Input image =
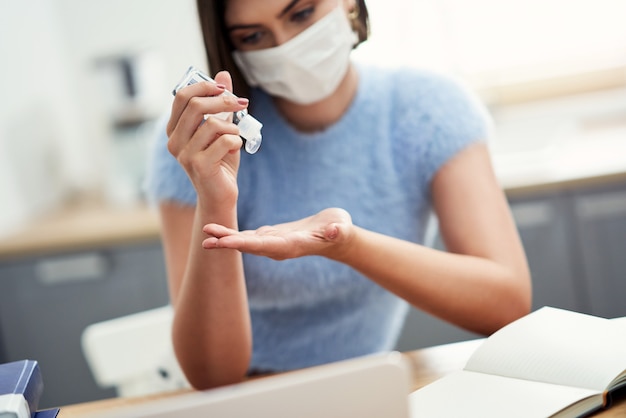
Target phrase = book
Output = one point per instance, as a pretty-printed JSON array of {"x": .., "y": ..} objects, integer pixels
[
  {"x": 21, "y": 387},
  {"x": 549, "y": 363},
  {"x": 47, "y": 413}
]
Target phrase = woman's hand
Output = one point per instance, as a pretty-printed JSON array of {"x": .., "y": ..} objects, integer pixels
[
  {"x": 325, "y": 233},
  {"x": 207, "y": 150}
]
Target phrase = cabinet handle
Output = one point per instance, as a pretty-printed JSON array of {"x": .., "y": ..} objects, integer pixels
[
  {"x": 598, "y": 206},
  {"x": 75, "y": 268}
]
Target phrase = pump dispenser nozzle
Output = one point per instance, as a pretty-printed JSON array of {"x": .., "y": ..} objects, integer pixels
[{"x": 249, "y": 127}]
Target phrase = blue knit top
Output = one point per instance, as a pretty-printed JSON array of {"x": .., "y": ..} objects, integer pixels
[{"x": 377, "y": 162}]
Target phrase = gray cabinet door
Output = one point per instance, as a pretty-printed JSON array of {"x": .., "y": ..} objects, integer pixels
[
  {"x": 601, "y": 227},
  {"x": 46, "y": 303},
  {"x": 544, "y": 224}
]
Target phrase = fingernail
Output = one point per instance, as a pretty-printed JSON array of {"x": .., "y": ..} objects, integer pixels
[{"x": 242, "y": 100}]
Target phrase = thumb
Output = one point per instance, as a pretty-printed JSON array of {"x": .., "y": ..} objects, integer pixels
[{"x": 223, "y": 77}]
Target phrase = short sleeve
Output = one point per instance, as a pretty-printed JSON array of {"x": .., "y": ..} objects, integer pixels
[
  {"x": 441, "y": 117},
  {"x": 165, "y": 178}
]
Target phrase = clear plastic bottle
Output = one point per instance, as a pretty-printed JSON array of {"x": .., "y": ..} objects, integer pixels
[{"x": 249, "y": 127}]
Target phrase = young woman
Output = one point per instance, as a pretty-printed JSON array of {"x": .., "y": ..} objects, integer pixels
[{"x": 308, "y": 251}]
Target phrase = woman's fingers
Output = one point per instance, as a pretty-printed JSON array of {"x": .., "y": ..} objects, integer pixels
[
  {"x": 218, "y": 230},
  {"x": 184, "y": 95},
  {"x": 210, "y": 131},
  {"x": 191, "y": 120},
  {"x": 209, "y": 144}
]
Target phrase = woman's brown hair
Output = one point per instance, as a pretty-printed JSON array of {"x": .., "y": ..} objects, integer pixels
[{"x": 219, "y": 49}]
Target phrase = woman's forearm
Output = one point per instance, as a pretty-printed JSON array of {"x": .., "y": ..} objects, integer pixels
[
  {"x": 211, "y": 331},
  {"x": 476, "y": 293}
]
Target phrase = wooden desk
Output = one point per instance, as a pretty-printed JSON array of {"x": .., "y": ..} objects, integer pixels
[{"x": 428, "y": 364}]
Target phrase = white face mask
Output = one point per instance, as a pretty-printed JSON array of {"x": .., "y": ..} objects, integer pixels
[{"x": 307, "y": 68}]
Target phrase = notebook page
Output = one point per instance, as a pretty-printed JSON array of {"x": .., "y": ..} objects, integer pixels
[
  {"x": 464, "y": 393},
  {"x": 621, "y": 320},
  {"x": 556, "y": 346}
]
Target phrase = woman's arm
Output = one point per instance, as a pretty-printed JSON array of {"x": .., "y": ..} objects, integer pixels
[
  {"x": 211, "y": 329},
  {"x": 481, "y": 284}
]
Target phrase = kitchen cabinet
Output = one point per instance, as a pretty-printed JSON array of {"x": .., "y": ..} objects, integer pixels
[
  {"x": 47, "y": 301},
  {"x": 575, "y": 240},
  {"x": 601, "y": 245},
  {"x": 545, "y": 225}
]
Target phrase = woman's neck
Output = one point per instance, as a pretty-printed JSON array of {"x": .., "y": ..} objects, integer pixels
[{"x": 320, "y": 115}]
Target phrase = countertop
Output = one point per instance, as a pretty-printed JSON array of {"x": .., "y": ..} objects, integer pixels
[
  {"x": 568, "y": 141},
  {"x": 587, "y": 158},
  {"x": 82, "y": 227}
]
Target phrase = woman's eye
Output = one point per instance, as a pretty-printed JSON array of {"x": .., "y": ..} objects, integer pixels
[
  {"x": 252, "y": 38},
  {"x": 302, "y": 15}
]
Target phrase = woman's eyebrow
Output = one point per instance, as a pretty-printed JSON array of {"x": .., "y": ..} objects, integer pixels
[
  {"x": 235, "y": 27},
  {"x": 289, "y": 7}
]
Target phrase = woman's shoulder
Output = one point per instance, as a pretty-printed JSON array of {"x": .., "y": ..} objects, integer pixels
[
  {"x": 434, "y": 114},
  {"x": 438, "y": 96}
]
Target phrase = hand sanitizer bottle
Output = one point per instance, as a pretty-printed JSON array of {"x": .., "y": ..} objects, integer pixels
[{"x": 249, "y": 127}]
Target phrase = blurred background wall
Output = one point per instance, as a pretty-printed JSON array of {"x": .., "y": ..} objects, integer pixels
[{"x": 66, "y": 108}]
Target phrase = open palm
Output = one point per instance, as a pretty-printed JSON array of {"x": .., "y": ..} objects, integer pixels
[{"x": 319, "y": 234}]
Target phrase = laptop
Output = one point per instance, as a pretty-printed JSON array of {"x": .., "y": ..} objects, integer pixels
[{"x": 371, "y": 386}]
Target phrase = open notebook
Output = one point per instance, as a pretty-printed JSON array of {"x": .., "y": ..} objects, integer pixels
[
  {"x": 550, "y": 363},
  {"x": 366, "y": 387}
]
